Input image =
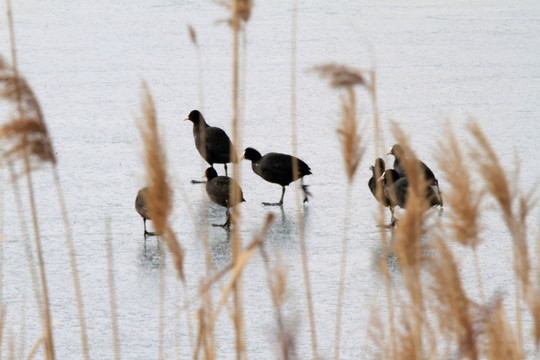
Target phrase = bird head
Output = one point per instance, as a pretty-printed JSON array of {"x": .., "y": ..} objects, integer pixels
[
  {"x": 251, "y": 154},
  {"x": 210, "y": 173}
]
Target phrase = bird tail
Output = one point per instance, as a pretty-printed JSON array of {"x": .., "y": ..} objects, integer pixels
[
  {"x": 307, "y": 193},
  {"x": 439, "y": 193}
]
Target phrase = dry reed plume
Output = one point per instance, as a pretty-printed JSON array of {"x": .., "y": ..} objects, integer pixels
[
  {"x": 344, "y": 77},
  {"x": 159, "y": 192},
  {"x": 407, "y": 246},
  {"x": 438, "y": 318},
  {"x": 26, "y": 133},
  {"x": 453, "y": 309},
  {"x": 26, "y": 138},
  {"x": 277, "y": 283},
  {"x": 515, "y": 207},
  {"x": 462, "y": 198}
]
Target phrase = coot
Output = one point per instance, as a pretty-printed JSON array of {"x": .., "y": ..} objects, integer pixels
[
  {"x": 277, "y": 168},
  {"x": 398, "y": 152},
  {"x": 212, "y": 143},
  {"x": 219, "y": 189},
  {"x": 142, "y": 209}
]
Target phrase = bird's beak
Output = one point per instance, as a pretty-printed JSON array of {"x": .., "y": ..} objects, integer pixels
[
  {"x": 381, "y": 178},
  {"x": 186, "y": 118},
  {"x": 389, "y": 152},
  {"x": 243, "y": 156}
]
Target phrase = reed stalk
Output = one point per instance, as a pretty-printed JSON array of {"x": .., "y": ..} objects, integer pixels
[
  {"x": 25, "y": 148},
  {"x": 346, "y": 78},
  {"x": 240, "y": 12},
  {"x": 159, "y": 199},
  {"x": 2, "y": 312},
  {"x": 161, "y": 305},
  {"x": 463, "y": 200},
  {"x": 112, "y": 294},
  {"x": 407, "y": 243},
  {"x": 352, "y": 152},
  {"x": 203, "y": 229},
  {"x": 298, "y": 200},
  {"x": 73, "y": 263},
  {"x": 193, "y": 38},
  {"x": 25, "y": 236},
  {"x": 514, "y": 208},
  {"x": 29, "y": 134},
  {"x": 378, "y": 151},
  {"x": 276, "y": 279}
]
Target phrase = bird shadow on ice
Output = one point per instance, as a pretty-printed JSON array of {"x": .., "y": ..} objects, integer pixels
[
  {"x": 219, "y": 244},
  {"x": 283, "y": 231},
  {"x": 150, "y": 252},
  {"x": 392, "y": 261}
]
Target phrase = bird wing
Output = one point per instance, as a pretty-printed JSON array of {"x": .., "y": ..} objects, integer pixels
[
  {"x": 219, "y": 145},
  {"x": 225, "y": 184}
]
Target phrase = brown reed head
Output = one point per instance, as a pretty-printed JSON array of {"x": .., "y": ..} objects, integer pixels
[
  {"x": 452, "y": 307},
  {"x": 462, "y": 198},
  {"x": 159, "y": 195},
  {"x": 350, "y": 139},
  {"x": 240, "y": 10},
  {"x": 342, "y": 76},
  {"x": 26, "y": 133},
  {"x": 490, "y": 169}
]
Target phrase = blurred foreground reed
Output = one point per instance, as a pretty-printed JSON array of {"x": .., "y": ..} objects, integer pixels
[{"x": 429, "y": 313}]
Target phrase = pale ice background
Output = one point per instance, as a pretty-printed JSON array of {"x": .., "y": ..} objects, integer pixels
[{"x": 85, "y": 61}]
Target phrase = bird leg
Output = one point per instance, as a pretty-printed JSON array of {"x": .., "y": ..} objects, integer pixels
[
  {"x": 226, "y": 169},
  {"x": 393, "y": 220},
  {"x": 227, "y": 222},
  {"x": 306, "y": 192},
  {"x": 280, "y": 203},
  {"x": 147, "y": 233}
]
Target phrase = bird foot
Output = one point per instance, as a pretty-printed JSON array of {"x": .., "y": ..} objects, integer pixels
[
  {"x": 198, "y": 182},
  {"x": 149, "y": 233},
  {"x": 226, "y": 225},
  {"x": 387, "y": 226},
  {"x": 272, "y": 204}
]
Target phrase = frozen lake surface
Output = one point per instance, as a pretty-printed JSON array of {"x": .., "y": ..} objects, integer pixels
[{"x": 85, "y": 62}]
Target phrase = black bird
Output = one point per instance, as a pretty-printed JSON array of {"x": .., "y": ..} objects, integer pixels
[
  {"x": 212, "y": 143},
  {"x": 396, "y": 190},
  {"x": 219, "y": 189},
  {"x": 398, "y": 152},
  {"x": 140, "y": 206},
  {"x": 277, "y": 168}
]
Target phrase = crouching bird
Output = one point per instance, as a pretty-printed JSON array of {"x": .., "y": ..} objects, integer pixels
[
  {"x": 219, "y": 190},
  {"x": 142, "y": 209},
  {"x": 278, "y": 169}
]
